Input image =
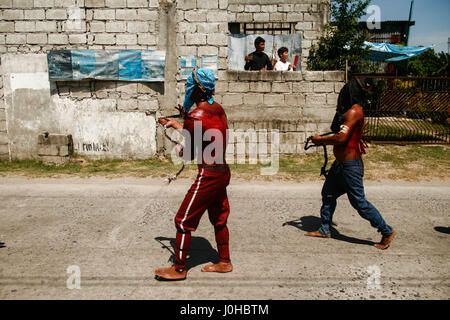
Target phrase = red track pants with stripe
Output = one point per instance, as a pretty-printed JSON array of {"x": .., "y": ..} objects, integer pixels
[{"x": 208, "y": 192}]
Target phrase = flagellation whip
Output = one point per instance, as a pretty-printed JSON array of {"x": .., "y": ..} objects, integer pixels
[{"x": 181, "y": 114}]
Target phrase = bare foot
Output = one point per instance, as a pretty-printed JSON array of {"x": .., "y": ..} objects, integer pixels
[
  {"x": 170, "y": 273},
  {"x": 316, "y": 234},
  {"x": 385, "y": 241},
  {"x": 221, "y": 267}
]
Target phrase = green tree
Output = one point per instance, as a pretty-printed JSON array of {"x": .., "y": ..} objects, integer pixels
[
  {"x": 343, "y": 38},
  {"x": 426, "y": 64}
]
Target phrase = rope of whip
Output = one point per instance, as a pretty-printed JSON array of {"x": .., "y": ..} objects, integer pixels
[
  {"x": 174, "y": 177},
  {"x": 323, "y": 171}
]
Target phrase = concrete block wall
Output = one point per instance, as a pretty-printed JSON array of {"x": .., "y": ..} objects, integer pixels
[
  {"x": 101, "y": 127},
  {"x": 43, "y": 25},
  {"x": 54, "y": 148},
  {"x": 202, "y": 28},
  {"x": 297, "y": 103},
  {"x": 4, "y": 141},
  {"x": 38, "y": 26},
  {"x": 308, "y": 16},
  {"x": 127, "y": 96}
]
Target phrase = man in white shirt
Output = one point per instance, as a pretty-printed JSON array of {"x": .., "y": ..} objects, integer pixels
[{"x": 283, "y": 64}]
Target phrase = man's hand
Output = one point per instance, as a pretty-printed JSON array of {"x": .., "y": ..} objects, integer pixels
[
  {"x": 362, "y": 142},
  {"x": 362, "y": 146},
  {"x": 181, "y": 110},
  {"x": 316, "y": 139},
  {"x": 179, "y": 150},
  {"x": 248, "y": 59},
  {"x": 170, "y": 123}
]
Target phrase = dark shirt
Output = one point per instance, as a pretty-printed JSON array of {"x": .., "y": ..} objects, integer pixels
[{"x": 259, "y": 61}]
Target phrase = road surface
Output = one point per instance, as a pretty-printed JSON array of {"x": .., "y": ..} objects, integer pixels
[{"x": 98, "y": 238}]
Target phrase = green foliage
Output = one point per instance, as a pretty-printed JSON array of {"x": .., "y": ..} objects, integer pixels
[
  {"x": 343, "y": 38},
  {"x": 426, "y": 64},
  {"x": 410, "y": 162}
]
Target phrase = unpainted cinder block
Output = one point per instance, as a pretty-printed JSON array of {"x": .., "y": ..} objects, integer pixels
[
  {"x": 63, "y": 151},
  {"x": 55, "y": 159},
  {"x": 43, "y": 138},
  {"x": 48, "y": 150},
  {"x": 59, "y": 139}
]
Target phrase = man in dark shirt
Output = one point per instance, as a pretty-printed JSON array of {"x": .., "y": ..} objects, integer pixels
[{"x": 258, "y": 60}]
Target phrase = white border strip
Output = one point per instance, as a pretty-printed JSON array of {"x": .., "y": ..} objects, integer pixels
[{"x": 187, "y": 210}]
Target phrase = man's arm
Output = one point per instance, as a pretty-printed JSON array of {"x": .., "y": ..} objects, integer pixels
[
  {"x": 352, "y": 117},
  {"x": 274, "y": 63},
  {"x": 248, "y": 60},
  {"x": 170, "y": 123},
  {"x": 268, "y": 63}
]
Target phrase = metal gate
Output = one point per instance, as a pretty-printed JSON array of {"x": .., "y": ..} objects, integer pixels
[{"x": 408, "y": 110}]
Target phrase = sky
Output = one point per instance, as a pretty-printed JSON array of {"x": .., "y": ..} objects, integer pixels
[{"x": 432, "y": 18}]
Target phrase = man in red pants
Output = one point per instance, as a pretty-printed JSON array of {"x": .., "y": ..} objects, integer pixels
[{"x": 208, "y": 192}]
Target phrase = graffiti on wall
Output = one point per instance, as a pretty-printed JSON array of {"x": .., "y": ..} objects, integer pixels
[{"x": 94, "y": 147}]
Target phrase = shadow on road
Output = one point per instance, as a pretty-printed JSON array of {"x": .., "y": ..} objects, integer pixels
[
  {"x": 200, "y": 251},
  {"x": 2, "y": 245},
  {"x": 311, "y": 223},
  {"x": 443, "y": 229}
]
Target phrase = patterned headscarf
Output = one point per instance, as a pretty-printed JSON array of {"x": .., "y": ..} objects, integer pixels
[{"x": 203, "y": 78}]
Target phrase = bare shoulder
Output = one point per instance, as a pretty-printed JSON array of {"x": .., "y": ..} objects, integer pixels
[{"x": 355, "y": 112}]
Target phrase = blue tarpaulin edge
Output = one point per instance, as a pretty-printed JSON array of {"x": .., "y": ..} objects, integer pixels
[{"x": 391, "y": 52}]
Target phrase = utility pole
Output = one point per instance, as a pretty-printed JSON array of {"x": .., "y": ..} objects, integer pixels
[{"x": 409, "y": 20}]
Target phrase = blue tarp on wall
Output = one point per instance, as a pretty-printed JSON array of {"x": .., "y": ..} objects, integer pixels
[
  {"x": 127, "y": 65},
  {"x": 188, "y": 63},
  {"x": 130, "y": 65},
  {"x": 83, "y": 64},
  {"x": 60, "y": 65}
]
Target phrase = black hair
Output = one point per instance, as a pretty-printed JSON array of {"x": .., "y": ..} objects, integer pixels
[
  {"x": 355, "y": 91},
  {"x": 282, "y": 50},
  {"x": 259, "y": 40}
]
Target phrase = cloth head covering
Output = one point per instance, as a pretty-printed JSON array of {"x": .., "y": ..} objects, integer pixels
[
  {"x": 353, "y": 92},
  {"x": 206, "y": 79}
]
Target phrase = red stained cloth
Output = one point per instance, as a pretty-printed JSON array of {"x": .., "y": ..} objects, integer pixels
[
  {"x": 208, "y": 192},
  {"x": 210, "y": 117}
]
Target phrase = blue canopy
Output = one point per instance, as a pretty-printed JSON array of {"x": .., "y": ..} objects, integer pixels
[{"x": 391, "y": 52}]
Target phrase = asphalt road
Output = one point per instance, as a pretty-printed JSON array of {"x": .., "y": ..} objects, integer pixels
[{"x": 114, "y": 232}]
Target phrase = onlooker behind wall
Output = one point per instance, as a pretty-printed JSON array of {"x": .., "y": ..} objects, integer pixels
[
  {"x": 283, "y": 64},
  {"x": 258, "y": 60}
]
